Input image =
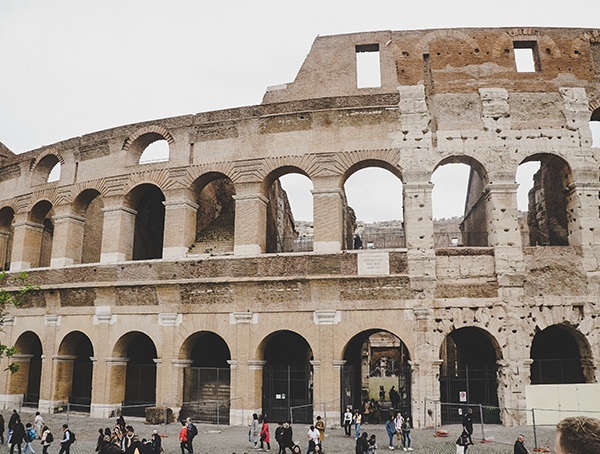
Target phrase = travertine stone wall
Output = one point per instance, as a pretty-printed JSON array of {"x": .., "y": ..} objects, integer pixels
[{"x": 446, "y": 96}]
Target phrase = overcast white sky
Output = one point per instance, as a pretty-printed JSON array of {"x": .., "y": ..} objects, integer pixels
[{"x": 71, "y": 67}]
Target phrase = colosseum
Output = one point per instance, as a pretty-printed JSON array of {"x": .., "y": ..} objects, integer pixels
[{"x": 181, "y": 282}]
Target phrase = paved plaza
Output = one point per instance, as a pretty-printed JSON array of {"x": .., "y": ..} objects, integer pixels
[{"x": 226, "y": 440}]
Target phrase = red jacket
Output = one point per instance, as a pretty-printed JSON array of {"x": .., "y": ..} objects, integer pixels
[{"x": 264, "y": 433}]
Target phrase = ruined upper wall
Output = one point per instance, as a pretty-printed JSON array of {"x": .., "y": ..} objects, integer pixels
[{"x": 449, "y": 61}]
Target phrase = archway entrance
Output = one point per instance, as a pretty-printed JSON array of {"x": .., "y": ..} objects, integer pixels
[
  {"x": 206, "y": 384},
  {"x": 140, "y": 381},
  {"x": 27, "y": 379},
  {"x": 376, "y": 376},
  {"x": 468, "y": 374},
  {"x": 287, "y": 378},
  {"x": 557, "y": 358},
  {"x": 76, "y": 372}
]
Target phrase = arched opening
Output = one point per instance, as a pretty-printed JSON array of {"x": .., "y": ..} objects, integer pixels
[
  {"x": 468, "y": 374},
  {"x": 206, "y": 384},
  {"x": 47, "y": 170},
  {"x": 282, "y": 234},
  {"x": 215, "y": 218},
  {"x": 545, "y": 222},
  {"x": 558, "y": 358},
  {"x": 140, "y": 373},
  {"x": 298, "y": 188},
  {"x": 147, "y": 200},
  {"x": 458, "y": 199},
  {"x": 374, "y": 216},
  {"x": 376, "y": 377},
  {"x": 595, "y": 127},
  {"x": 157, "y": 151},
  {"x": 41, "y": 240},
  {"x": 287, "y": 391},
  {"x": 7, "y": 216},
  {"x": 75, "y": 371},
  {"x": 27, "y": 379},
  {"x": 89, "y": 206}
]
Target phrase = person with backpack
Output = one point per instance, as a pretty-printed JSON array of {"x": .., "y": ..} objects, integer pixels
[
  {"x": 183, "y": 434},
  {"x": 67, "y": 440},
  {"x": 192, "y": 432},
  {"x": 30, "y": 435},
  {"x": 47, "y": 439}
]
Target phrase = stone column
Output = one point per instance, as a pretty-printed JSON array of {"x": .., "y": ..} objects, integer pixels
[
  {"x": 63, "y": 373},
  {"x": 67, "y": 243},
  {"x": 250, "y": 237},
  {"x": 583, "y": 221},
  {"x": 161, "y": 394},
  {"x": 48, "y": 373},
  {"x": 254, "y": 382},
  {"x": 328, "y": 214},
  {"x": 235, "y": 402},
  {"x": 27, "y": 243},
  {"x": 243, "y": 376},
  {"x": 4, "y": 247},
  {"x": 19, "y": 380},
  {"x": 513, "y": 376},
  {"x": 117, "y": 232},
  {"x": 178, "y": 381},
  {"x": 504, "y": 234},
  {"x": 101, "y": 407},
  {"x": 180, "y": 224},
  {"x": 115, "y": 384}
]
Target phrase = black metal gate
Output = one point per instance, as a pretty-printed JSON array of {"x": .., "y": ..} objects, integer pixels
[
  {"x": 140, "y": 389},
  {"x": 206, "y": 394},
  {"x": 286, "y": 386},
  {"x": 469, "y": 386},
  {"x": 81, "y": 388}
]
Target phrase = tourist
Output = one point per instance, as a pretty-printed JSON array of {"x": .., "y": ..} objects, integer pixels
[
  {"x": 362, "y": 444},
  {"x": 467, "y": 423},
  {"x": 372, "y": 444},
  {"x": 296, "y": 450},
  {"x": 38, "y": 424},
  {"x": 398, "y": 420},
  {"x": 30, "y": 435},
  {"x": 279, "y": 437},
  {"x": 320, "y": 426},
  {"x": 156, "y": 442},
  {"x": 66, "y": 440},
  {"x": 17, "y": 435},
  {"x": 253, "y": 434},
  {"x": 577, "y": 435},
  {"x": 519, "y": 447},
  {"x": 462, "y": 443},
  {"x": 406, "y": 435},
  {"x": 357, "y": 424},
  {"x": 287, "y": 436},
  {"x": 390, "y": 429},
  {"x": 11, "y": 424},
  {"x": 192, "y": 432},
  {"x": 183, "y": 434},
  {"x": 47, "y": 439},
  {"x": 264, "y": 435},
  {"x": 1, "y": 429},
  {"x": 313, "y": 439},
  {"x": 347, "y": 421}
]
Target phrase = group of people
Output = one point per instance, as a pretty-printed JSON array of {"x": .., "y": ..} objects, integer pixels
[
  {"x": 123, "y": 439},
  {"x": 22, "y": 436},
  {"x": 399, "y": 426}
]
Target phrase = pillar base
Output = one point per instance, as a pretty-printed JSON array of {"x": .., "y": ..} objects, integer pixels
[
  {"x": 10, "y": 401},
  {"x": 174, "y": 252},
  {"x": 103, "y": 410},
  {"x": 247, "y": 249},
  {"x": 112, "y": 257}
]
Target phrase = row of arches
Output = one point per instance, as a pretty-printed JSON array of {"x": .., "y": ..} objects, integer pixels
[
  {"x": 212, "y": 196},
  {"x": 372, "y": 360}
]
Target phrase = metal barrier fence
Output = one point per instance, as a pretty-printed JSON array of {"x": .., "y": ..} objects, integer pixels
[
  {"x": 484, "y": 415},
  {"x": 320, "y": 409}
]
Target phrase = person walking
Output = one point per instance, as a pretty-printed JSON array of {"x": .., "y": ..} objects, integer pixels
[
  {"x": 390, "y": 429},
  {"x": 192, "y": 432},
  {"x": 1, "y": 429},
  {"x": 406, "y": 435},
  {"x": 313, "y": 439},
  {"x": 254, "y": 433},
  {"x": 11, "y": 423},
  {"x": 264, "y": 435},
  {"x": 519, "y": 447},
  {"x": 398, "y": 420},
  {"x": 38, "y": 424},
  {"x": 66, "y": 441},
  {"x": 30, "y": 435},
  {"x": 467, "y": 423},
  {"x": 17, "y": 435},
  {"x": 357, "y": 422},
  {"x": 320, "y": 426},
  {"x": 183, "y": 433},
  {"x": 287, "y": 436},
  {"x": 47, "y": 439},
  {"x": 156, "y": 442}
]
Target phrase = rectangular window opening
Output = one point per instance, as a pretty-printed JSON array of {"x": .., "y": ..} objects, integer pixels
[
  {"x": 368, "y": 67},
  {"x": 526, "y": 56}
]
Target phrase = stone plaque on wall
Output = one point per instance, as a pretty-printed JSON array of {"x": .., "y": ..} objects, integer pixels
[{"x": 373, "y": 263}]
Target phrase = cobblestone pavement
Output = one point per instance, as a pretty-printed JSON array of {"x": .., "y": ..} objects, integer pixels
[{"x": 227, "y": 440}]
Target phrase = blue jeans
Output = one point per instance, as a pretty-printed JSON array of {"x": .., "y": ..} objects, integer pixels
[
  {"x": 357, "y": 430},
  {"x": 405, "y": 439}
]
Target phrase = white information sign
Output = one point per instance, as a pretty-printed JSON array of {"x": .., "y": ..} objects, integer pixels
[{"x": 373, "y": 264}]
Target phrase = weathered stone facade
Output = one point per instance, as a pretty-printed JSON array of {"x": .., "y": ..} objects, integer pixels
[{"x": 109, "y": 242}]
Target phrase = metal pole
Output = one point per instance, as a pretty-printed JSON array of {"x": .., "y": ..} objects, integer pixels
[
  {"x": 218, "y": 418},
  {"x": 534, "y": 429},
  {"x": 482, "y": 425},
  {"x": 425, "y": 413}
]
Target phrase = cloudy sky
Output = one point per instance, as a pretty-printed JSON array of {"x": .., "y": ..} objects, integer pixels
[{"x": 71, "y": 67}]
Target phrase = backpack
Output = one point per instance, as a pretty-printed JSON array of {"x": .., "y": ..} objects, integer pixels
[
  {"x": 192, "y": 430},
  {"x": 72, "y": 436},
  {"x": 49, "y": 437},
  {"x": 30, "y": 435}
]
